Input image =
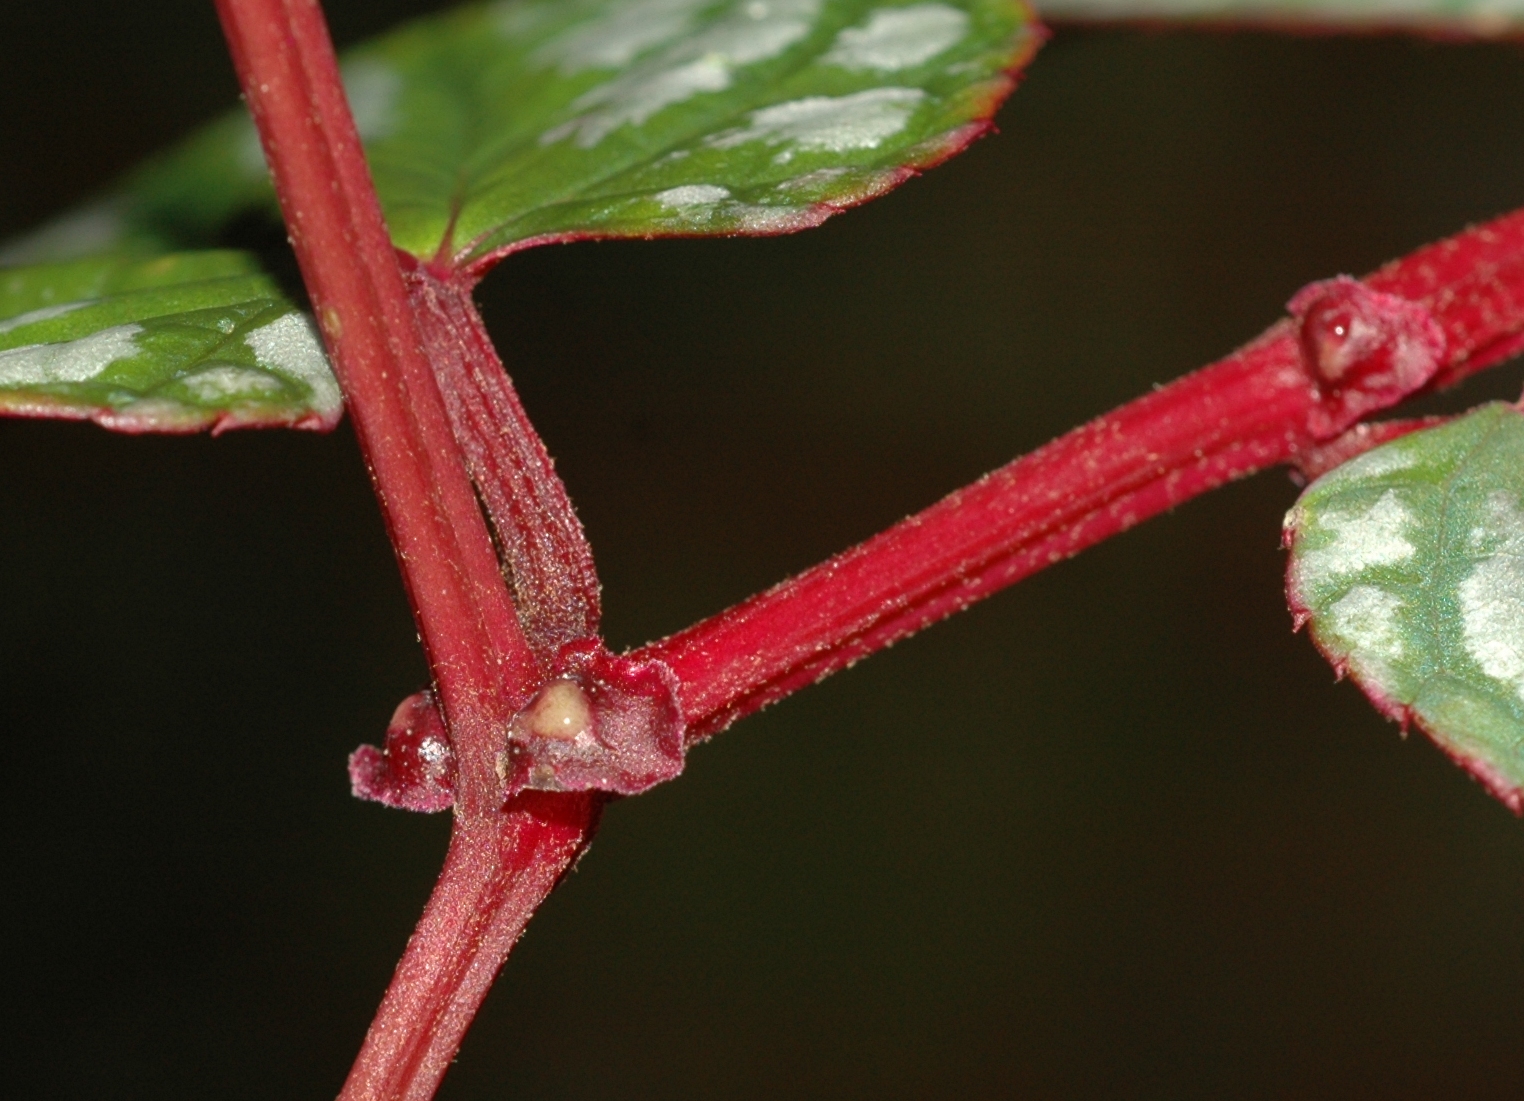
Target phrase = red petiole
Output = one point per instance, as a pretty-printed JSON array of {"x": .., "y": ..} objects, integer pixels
[
  {"x": 555, "y": 586},
  {"x": 439, "y": 424}
]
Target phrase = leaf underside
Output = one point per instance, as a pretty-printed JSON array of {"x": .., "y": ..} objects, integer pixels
[
  {"x": 1447, "y": 18},
  {"x": 500, "y": 125},
  {"x": 1408, "y": 563},
  {"x": 174, "y": 343}
]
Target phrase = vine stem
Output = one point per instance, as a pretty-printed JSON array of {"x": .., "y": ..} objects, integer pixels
[
  {"x": 495, "y": 876},
  {"x": 1253, "y": 409},
  {"x": 503, "y": 860},
  {"x": 476, "y": 650},
  {"x": 1249, "y": 411}
]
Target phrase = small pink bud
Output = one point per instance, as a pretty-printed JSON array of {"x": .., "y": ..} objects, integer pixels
[
  {"x": 605, "y": 723},
  {"x": 415, "y": 768},
  {"x": 1364, "y": 350}
]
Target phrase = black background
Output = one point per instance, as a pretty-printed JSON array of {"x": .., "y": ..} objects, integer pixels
[{"x": 1114, "y": 833}]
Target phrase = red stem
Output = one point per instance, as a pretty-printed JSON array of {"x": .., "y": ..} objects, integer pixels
[
  {"x": 503, "y": 861},
  {"x": 1246, "y": 412},
  {"x": 480, "y": 661},
  {"x": 1225, "y": 421},
  {"x": 1473, "y": 283},
  {"x": 1242, "y": 414},
  {"x": 495, "y": 875},
  {"x": 555, "y": 585}
]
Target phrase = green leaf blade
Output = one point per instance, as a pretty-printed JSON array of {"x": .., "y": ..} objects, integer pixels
[
  {"x": 1408, "y": 564},
  {"x": 754, "y": 118},
  {"x": 498, "y": 126},
  {"x": 489, "y": 129},
  {"x": 175, "y": 343}
]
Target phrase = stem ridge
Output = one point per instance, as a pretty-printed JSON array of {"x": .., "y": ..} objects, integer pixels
[{"x": 550, "y": 565}]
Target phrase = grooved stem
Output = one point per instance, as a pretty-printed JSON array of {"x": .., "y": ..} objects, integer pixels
[
  {"x": 1228, "y": 420},
  {"x": 476, "y": 651},
  {"x": 503, "y": 861},
  {"x": 495, "y": 876}
]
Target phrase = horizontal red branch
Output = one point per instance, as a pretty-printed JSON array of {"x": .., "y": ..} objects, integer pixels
[{"x": 1258, "y": 407}]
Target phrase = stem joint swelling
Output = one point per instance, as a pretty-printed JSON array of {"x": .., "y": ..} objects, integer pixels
[
  {"x": 599, "y": 722},
  {"x": 590, "y": 720},
  {"x": 1364, "y": 350}
]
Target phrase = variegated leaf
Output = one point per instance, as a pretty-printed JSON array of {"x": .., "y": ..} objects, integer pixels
[
  {"x": 501, "y": 125},
  {"x": 1408, "y": 563},
  {"x": 174, "y": 343}
]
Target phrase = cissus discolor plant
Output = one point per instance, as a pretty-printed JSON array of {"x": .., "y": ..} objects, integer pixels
[{"x": 460, "y": 139}]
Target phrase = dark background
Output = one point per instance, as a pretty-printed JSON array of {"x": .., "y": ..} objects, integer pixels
[{"x": 1114, "y": 833}]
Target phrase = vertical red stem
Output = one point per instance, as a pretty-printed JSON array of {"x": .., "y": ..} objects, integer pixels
[
  {"x": 495, "y": 876},
  {"x": 478, "y": 655},
  {"x": 555, "y": 585},
  {"x": 503, "y": 861}
]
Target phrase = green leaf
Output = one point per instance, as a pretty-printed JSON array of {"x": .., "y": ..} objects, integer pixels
[
  {"x": 1479, "y": 18},
  {"x": 1409, "y": 564},
  {"x": 175, "y": 343},
  {"x": 490, "y": 128},
  {"x": 497, "y": 126}
]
